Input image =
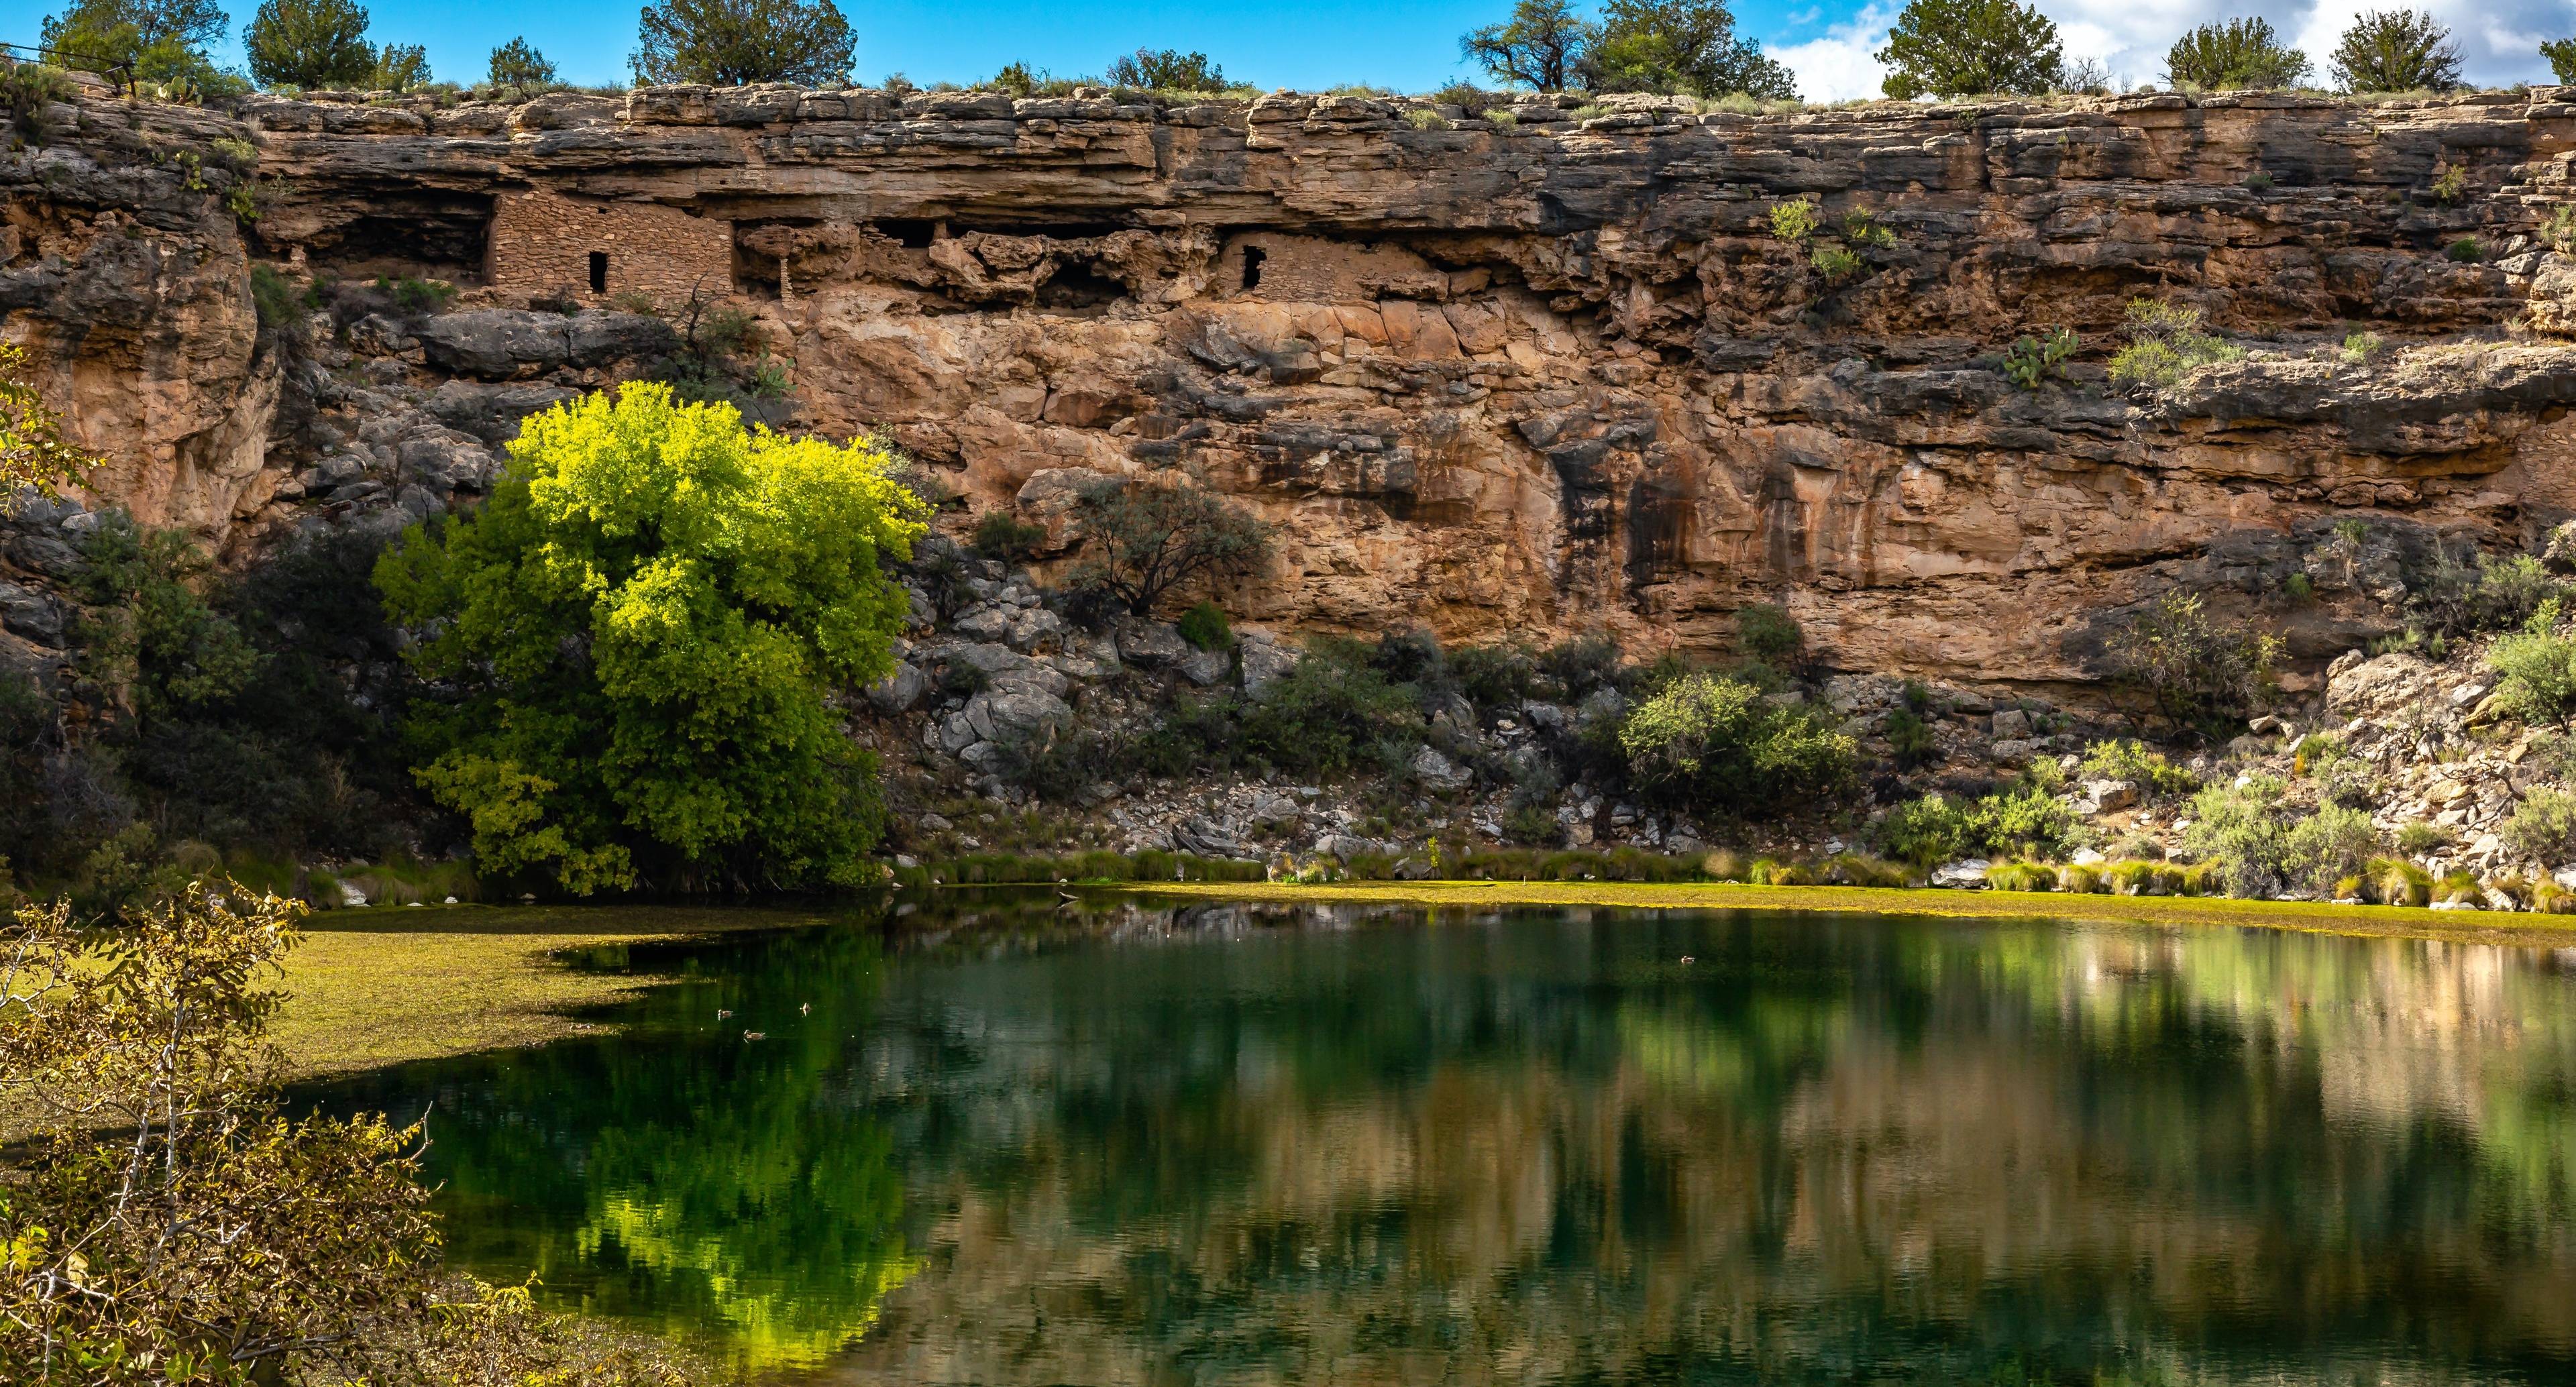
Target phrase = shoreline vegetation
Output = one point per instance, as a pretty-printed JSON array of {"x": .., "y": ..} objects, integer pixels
[
  {"x": 2308, "y": 917},
  {"x": 465, "y": 979}
]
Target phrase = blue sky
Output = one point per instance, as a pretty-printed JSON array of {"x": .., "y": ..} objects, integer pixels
[{"x": 1409, "y": 44}]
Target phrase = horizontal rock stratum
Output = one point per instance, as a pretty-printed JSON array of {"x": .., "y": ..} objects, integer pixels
[{"x": 1503, "y": 377}]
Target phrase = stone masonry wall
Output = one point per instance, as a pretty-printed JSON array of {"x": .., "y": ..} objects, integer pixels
[{"x": 542, "y": 243}]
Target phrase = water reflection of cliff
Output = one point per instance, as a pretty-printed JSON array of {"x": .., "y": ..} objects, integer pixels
[
  {"x": 1823, "y": 1150},
  {"x": 1040, "y": 1144}
]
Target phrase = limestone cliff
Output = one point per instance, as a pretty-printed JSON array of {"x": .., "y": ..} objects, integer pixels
[{"x": 1497, "y": 376}]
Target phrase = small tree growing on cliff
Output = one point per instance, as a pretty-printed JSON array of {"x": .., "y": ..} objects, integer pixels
[
  {"x": 517, "y": 64},
  {"x": 164, "y": 41},
  {"x": 1537, "y": 49},
  {"x": 1971, "y": 48},
  {"x": 1679, "y": 46},
  {"x": 732, "y": 43},
  {"x": 2238, "y": 55},
  {"x": 2561, "y": 54},
  {"x": 2202, "y": 674},
  {"x": 309, "y": 43},
  {"x": 32, "y": 450},
  {"x": 1167, "y": 70},
  {"x": 2396, "y": 51},
  {"x": 1146, "y": 537}
]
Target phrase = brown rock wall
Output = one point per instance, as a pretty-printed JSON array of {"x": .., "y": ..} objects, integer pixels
[{"x": 1526, "y": 379}]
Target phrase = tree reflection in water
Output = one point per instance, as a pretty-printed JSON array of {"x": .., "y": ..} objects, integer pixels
[{"x": 1265, "y": 1145}]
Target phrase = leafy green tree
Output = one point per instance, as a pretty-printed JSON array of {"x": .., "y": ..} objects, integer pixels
[
  {"x": 1145, "y": 537},
  {"x": 1167, "y": 70},
  {"x": 2396, "y": 51},
  {"x": 644, "y": 625},
  {"x": 1971, "y": 48},
  {"x": 2239, "y": 55},
  {"x": 2561, "y": 54},
  {"x": 1679, "y": 46},
  {"x": 33, "y": 452},
  {"x": 1537, "y": 49},
  {"x": 400, "y": 67},
  {"x": 732, "y": 43},
  {"x": 516, "y": 64},
  {"x": 164, "y": 41},
  {"x": 1711, "y": 743},
  {"x": 309, "y": 43}
]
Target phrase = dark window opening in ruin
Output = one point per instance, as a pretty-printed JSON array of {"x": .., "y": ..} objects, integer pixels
[
  {"x": 1252, "y": 258},
  {"x": 911, "y": 232},
  {"x": 444, "y": 240},
  {"x": 1079, "y": 288},
  {"x": 599, "y": 272}
]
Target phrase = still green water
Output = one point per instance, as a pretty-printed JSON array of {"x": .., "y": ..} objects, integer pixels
[{"x": 1115, "y": 1143}]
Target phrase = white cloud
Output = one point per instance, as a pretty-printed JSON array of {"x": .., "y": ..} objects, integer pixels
[
  {"x": 1838, "y": 66},
  {"x": 2499, "y": 39}
]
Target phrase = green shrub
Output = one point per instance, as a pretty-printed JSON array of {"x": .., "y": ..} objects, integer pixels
[
  {"x": 2165, "y": 344},
  {"x": 1862, "y": 228},
  {"x": 2419, "y": 838},
  {"x": 2128, "y": 759},
  {"x": 279, "y": 305},
  {"x": 2467, "y": 250},
  {"x": 2031, "y": 360},
  {"x": 1836, "y": 263},
  {"x": 1422, "y": 118},
  {"x": 1937, "y": 828},
  {"x": 1205, "y": 627},
  {"x": 2543, "y": 826},
  {"x": 2361, "y": 346},
  {"x": 1909, "y": 738},
  {"x": 1795, "y": 221},
  {"x": 2082, "y": 880},
  {"x": 2021, "y": 876},
  {"x": 416, "y": 296},
  {"x": 999, "y": 534},
  {"x": 1765, "y": 631},
  {"x": 2399, "y": 883},
  {"x": 1582, "y": 665},
  {"x": 2240, "y": 831},
  {"x": 1711, "y": 743},
  {"x": 1494, "y": 676},
  {"x": 2536, "y": 667},
  {"x": 2328, "y": 844},
  {"x": 2203, "y": 674}
]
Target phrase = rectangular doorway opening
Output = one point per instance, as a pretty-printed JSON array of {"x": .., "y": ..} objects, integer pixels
[{"x": 599, "y": 272}]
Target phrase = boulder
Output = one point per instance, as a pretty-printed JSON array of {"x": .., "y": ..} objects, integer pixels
[
  {"x": 1153, "y": 644},
  {"x": 31, "y": 614},
  {"x": 2394, "y": 680},
  {"x": 1206, "y": 668},
  {"x": 1966, "y": 874},
  {"x": 2111, "y": 796},
  {"x": 900, "y": 691},
  {"x": 1437, "y": 772},
  {"x": 1265, "y": 661},
  {"x": 2012, "y": 723}
]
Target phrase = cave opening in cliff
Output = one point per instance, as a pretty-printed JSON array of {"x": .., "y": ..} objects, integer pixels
[
  {"x": 1080, "y": 290},
  {"x": 1252, "y": 258},
  {"x": 445, "y": 242},
  {"x": 599, "y": 272}
]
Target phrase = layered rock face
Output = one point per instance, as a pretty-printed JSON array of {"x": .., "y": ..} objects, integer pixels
[{"x": 1501, "y": 377}]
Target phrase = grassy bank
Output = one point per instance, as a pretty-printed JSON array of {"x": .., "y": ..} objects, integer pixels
[
  {"x": 421, "y": 984},
  {"x": 2307, "y": 916}
]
